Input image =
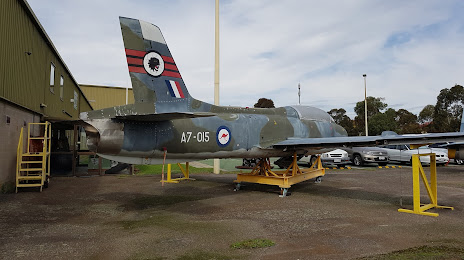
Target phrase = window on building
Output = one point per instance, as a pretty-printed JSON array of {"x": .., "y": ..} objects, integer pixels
[
  {"x": 76, "y": 99},
  {"x": 61, "y": 87},
  {"x": 52, "y": 77}
]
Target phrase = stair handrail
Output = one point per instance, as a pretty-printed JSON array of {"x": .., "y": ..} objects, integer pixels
[{"x": 19, "y": 151}]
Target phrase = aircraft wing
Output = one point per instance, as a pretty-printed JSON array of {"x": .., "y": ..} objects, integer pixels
[
  {"x": 452, "y": 145},
  {"x": 350, "y": 141}
]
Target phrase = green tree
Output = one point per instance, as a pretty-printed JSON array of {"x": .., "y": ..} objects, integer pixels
[
  {"x": 264, "y": 103},
  {"x": 426, "y": 114},
  {"x": 340, "y": 118},
  {"x": 448, "y": 110},
  {"x": 374, "y": 106},
  {"x": 407, "y": 122},
  {"x": 383, "y": 122},
  {"x": 337, "y": 114}
]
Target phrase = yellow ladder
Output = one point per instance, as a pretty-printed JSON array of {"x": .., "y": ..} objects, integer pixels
[{"x": 33, "y": 166}]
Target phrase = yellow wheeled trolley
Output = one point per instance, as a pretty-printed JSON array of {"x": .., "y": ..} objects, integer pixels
[{"x": 263, "y": 174}]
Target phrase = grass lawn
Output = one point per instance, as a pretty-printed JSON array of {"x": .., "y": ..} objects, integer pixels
[{"x": 156, "y": 169}]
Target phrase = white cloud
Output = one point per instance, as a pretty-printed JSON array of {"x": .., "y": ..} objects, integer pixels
[{"x": 410, "y": 50}]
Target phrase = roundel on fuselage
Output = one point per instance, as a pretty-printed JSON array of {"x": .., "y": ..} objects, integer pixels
[{"x": 223, "y": 136}]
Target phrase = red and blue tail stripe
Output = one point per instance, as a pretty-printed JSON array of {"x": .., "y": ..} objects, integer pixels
[{"x": 135, "y": 63}]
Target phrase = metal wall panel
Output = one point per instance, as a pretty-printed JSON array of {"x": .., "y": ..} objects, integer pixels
[
  {"x": 9, "y": 137},
  {"x": 26, "y": 54},
  {"x": 103, "y": 97},
  {"x": 84, "y": 106}
]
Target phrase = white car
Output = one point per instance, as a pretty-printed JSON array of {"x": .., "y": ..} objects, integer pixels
[
  {"x": 336, "y": 157},
  {"x": 445, "y": 150},
  {"x": 403, "y": 154}
]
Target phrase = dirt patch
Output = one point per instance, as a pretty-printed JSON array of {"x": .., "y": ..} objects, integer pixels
[{"x": 351, "y": 214}]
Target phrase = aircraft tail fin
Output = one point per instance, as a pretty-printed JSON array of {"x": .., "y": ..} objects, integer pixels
[{"x": 154, "y": 74}]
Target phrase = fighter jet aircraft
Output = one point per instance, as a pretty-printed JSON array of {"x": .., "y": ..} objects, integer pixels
[{"x": 165, "y": 117}]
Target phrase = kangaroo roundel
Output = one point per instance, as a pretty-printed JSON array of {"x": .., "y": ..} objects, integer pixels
[
  {"x": 223, "y": 136},
  {"x": 153, "y": 64}
]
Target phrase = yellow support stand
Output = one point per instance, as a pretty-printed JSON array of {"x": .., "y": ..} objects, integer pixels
[
  {"x": 185, "y": 172},
  {"x": 263, "y": 174},
  {"x": 418, "y": 172}
]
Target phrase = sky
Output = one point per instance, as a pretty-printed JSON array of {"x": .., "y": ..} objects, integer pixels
[{"x": 409, "y": 50}]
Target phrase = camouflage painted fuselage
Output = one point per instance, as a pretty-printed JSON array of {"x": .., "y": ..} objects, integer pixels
[{"x": 247, "y": 132}]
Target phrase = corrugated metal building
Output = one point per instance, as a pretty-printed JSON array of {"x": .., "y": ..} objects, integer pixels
[
  {"x": 35, "y": 84},
  {"x": 103, "y": 96}
]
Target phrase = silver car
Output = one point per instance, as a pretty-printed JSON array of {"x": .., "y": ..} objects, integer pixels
[
  {"x": 403, "y": 153},
  {"x": 362, "y": 155}
]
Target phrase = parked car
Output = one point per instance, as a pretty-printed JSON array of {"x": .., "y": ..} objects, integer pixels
[
  {"x": 403, "y": 153},
  {"x": 336, "y": 157},
  {"x": 444, "y": 146},
  {"x": 361, "y": 155}
]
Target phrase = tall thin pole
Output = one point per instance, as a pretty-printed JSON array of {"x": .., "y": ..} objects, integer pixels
[
  {"x": 299, "y": 94},
  {"x": 365, "y": 103},
  {"x": 216, "y": 162},
  {"x": 127, "y": 95}
]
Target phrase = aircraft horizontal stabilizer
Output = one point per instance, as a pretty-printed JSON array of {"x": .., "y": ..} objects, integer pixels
[{"x": 164, "y": 116}]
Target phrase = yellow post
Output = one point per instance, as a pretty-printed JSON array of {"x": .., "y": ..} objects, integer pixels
[
  {"x": 185, "y": 172},
  {"x": 415, "y": 182},
  {"x": 169, "y": 173},
  {"x": 19, "y": 154},
  {"x": 49, "y": 149},
  {"x": 418, "y": 173},
  {"x": 28, "y": 135}
]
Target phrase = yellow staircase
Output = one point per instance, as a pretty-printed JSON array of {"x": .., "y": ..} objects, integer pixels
[{"x": 33, "y": 166}]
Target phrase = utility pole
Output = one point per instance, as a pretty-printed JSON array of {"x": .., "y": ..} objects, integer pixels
[
  {"x": 299, "y": 94},
  {"x": 365, "y": 103},
  {"x": 216, "y": 162}
]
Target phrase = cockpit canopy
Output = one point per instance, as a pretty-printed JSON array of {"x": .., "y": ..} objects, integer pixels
[{"x": 312, "y": 113}]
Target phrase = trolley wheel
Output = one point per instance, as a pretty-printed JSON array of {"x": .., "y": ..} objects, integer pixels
[
  {"x": 237, "y": 187},
  {"x": 318, "y": 179},
  {"x": 283, "y": 192}
]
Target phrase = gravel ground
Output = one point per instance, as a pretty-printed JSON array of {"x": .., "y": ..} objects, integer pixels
[{"x": 351, "y": 214}]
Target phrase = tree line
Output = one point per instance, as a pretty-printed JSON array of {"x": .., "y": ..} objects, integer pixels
[{"x": 444, "y": 116}]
